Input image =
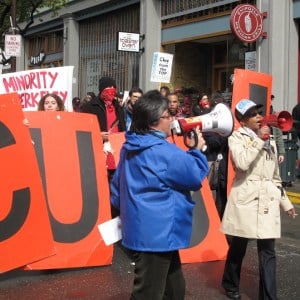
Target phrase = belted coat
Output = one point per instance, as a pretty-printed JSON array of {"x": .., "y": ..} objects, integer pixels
[{"x": 253, "y": 206}]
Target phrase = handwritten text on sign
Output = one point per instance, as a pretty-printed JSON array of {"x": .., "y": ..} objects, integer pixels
[
  {"x": 33, "y": 84},
  {"x": 161, "y": 67}
]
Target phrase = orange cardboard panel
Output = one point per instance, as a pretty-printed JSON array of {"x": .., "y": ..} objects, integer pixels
[
  {"x": 71, "y": 159},
  {"x": 25, "y": 233}
]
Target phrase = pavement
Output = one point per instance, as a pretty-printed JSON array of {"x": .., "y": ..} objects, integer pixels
[
  {"x": 203, "y": 280},
  {"x": 114, "y": 282},
  {"x": 293, "y": 190}
]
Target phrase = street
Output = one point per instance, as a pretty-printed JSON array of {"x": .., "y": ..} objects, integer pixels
[{"x": 202, "y": 279}]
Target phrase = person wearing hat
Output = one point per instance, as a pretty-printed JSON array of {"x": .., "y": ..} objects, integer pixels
[
  {"x": 253, "y": 207},
  {"x": 109, "y": 114},
  {"x": 106, "y": 108},
  {"x": 119, "y": 97}
]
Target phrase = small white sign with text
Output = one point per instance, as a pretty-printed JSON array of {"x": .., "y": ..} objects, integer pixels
[{"x": 161, "y": 67}]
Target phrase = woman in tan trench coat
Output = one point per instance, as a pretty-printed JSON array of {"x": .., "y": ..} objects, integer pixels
[{"x": 253, "y": 207}]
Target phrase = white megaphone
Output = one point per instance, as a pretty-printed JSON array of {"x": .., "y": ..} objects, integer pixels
[{"x": 220, "y": 120}]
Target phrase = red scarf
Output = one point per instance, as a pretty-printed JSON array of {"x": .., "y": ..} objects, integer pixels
[{"x": 107, "y": 96}]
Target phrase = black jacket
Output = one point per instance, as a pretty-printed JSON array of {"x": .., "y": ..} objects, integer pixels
[
  {"x": 97, "y": 107},
  {"x": 217, "y": 144},
  {"x": 198, "y": 110}
]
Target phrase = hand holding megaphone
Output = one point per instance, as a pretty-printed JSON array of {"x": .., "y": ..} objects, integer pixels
[
  {"x": 264, "y": 132},
  {"x": 194, "y": 139},
  {"x": 219, "y": 120}
]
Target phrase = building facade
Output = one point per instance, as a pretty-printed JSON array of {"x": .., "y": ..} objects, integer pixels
[{"x": 197, "y": 33}]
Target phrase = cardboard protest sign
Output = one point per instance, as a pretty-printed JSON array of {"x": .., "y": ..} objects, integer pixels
[
  {"x": 207, "y": 243},
  {"x": 32, "y": 85},
  {"x": 25, "y": 233},
  {"x": 70, "y": 155},
  {"x": 249, "y": 85}
]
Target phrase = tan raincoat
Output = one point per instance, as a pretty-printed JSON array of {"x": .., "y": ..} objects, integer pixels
[{"x": 253, "y": 207}]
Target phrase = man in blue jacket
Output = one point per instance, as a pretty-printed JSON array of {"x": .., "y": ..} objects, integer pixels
[{"x": 151, "y": 188}]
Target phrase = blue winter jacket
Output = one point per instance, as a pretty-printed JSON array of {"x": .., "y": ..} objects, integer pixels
[{"x": 151, "y": 188}]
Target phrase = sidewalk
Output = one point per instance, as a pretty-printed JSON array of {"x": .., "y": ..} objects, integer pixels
[{"x": 293, "y": 191}]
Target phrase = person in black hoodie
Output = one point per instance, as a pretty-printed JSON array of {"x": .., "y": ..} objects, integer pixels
[
  {"x": 106, "y": 108},
  {"x": 109, "y": 114}
]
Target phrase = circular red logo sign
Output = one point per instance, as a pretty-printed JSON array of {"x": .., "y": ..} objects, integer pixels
[{"x": 246, "y": 22}]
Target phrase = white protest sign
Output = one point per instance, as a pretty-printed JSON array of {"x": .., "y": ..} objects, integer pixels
[
  {"x": 13, "y": 44},
  {"x": 161, "y": 67},
  {"x": 32, "y": 85}
]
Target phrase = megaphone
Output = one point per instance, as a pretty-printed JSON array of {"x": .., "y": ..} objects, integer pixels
[
  {"x": 219, "y": 120},
  {"x": 282, "y": 120}
]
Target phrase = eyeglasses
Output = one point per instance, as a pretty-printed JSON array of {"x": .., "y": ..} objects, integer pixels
[
  {"x": 166, "y": 117},
  {"x": 254, "y": 114}
]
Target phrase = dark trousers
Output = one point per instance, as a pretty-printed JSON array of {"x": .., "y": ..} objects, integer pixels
[
  {"x": 267, "y": 266},
  {"x": 158, "y": 275},
  {"x": 221, "y": 200}
]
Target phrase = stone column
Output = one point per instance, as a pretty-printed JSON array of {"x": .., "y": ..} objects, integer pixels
[
  {"x": 71, "y": 48},
  {"x": 150, "y": 26},
  {"x": 278, "y": 53}
]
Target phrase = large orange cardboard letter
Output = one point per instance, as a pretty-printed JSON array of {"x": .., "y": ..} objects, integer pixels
[
  {"x": 207, "y": 243},
  {"x": 23, "y": 215},
  {"x": 70, "y": 155}
]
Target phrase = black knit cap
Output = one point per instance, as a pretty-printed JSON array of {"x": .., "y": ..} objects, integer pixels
[{"x": 105, "y": 82}]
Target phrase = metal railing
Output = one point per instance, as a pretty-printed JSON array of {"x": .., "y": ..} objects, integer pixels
[{"x": 180, "y": 10}]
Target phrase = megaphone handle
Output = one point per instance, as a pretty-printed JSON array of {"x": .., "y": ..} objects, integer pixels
[
  {"x": 190, "y": 134},
  {"x": 266, "y": 136}
]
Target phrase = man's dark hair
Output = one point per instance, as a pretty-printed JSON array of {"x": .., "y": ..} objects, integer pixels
[
  {"x": 135, "y": 90},
  {"x": 147, "y": 111},
  {"x": 165, "y": 88},
  {"x": 92, "y": 94}
]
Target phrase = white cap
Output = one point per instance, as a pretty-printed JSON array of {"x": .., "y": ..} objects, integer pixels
[{"x": 245, "y": 104}]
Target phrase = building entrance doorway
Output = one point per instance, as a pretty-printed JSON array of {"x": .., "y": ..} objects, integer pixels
[{"x": 206, "y": 64}]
